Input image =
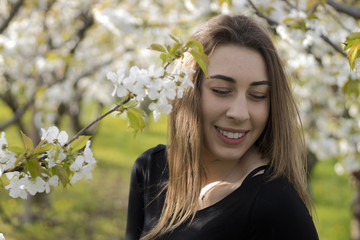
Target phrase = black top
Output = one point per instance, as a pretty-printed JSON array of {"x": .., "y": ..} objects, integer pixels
[{"x": 258, "y": 209}]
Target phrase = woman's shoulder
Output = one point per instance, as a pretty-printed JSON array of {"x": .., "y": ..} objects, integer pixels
[
  {"x": 279, "y": 207},
  {"x": 278, "y": 193},
  {"x": 152, "y": 161},
  {"x": 150, "y": 155}
]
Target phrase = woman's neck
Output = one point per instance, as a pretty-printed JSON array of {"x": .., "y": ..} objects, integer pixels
[
  {"x": 230, "y": 171},
  {"x": 223, "y": 177}
]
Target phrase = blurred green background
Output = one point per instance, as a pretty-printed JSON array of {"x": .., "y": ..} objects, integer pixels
[{"x": 96, "y": 209}]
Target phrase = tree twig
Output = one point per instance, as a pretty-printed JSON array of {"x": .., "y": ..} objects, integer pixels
[
  {"x": 351, "y": 11},
  {"x": 14, "y": 10},
  {"x": 270, "y": 21},
  {"x": 127, "y": 99},
  {"x": 17, "y": 115},
  {"x": 332, "y": 44},
  {"x": 273, "y": 22}
]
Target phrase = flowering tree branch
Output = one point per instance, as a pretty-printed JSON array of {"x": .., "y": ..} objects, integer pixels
[
  {"x": 17, "y": 115},
  {"x": 126, "y": 100},
  {"x": 14, "y": 10},
  {"x": 35, "y": 169},
  {"x": 273, "y": 22},
  {"x": 269, "y": 20},
  {"x": 351, "y": 11}
]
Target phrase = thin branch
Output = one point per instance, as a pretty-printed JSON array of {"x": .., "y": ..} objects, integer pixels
[
  {"x": 290, "y": 4},
  {"x": 332, "y": 44},
  {"x": 127, "y": 99},
  {"x": 17, "y": 115},
  {"x": 351, "y": 11},
  {"x": 273, "y": 22},
  {"x": 88, "y": 22},
  {"x": 91, "y": 70},
  {"x": 50, "y": 44},
  {"x": 270, "y": 21},
  {"x": 336, "y": 19},
  {"x": 14, "y": 10}
]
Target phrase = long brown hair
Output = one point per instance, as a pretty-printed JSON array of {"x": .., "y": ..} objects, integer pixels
[{"x": 282, "y": 140}]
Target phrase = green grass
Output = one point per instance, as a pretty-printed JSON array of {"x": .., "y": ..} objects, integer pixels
[
  {"x": 96, "y": 209},
  {"x": 90, "y": 209},
  {"x": 333, "y": 196}
]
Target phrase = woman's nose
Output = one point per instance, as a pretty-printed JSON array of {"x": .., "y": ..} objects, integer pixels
[{"x": 238, "y": 109}]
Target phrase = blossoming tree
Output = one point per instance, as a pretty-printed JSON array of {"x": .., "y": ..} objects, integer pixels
[{"x": 57, "y": 55}]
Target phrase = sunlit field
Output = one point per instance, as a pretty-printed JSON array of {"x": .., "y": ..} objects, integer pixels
[{"x": 96, "y": 209}]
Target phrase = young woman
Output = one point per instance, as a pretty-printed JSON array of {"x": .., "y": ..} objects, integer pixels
[{"x": 234, "y": 166}]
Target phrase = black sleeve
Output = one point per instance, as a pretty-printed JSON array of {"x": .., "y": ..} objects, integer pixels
[
  {"x": 279, "y": 213},
  {"x": 135, "y": 215},
  {"x": 147, "y": 172}
]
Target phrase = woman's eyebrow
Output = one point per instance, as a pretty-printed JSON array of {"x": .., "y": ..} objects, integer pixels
[
  {"x": 265, "y": 82},
  {"x": 232, "y": 80},
  {"x": 223, "y": 77}
]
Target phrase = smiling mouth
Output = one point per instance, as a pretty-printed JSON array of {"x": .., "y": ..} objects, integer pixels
[{"x": 231, "y": 135}]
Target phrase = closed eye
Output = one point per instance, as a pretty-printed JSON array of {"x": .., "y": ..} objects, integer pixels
[
  {"x": 220, "y": 92},
  {"x": 258, "y": 96}
]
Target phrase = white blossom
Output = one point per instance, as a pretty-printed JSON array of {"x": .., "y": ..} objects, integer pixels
[
  {"x": 54, "y": 156},
  {"x": 17, "y": 187},
  {"x": 116, "y": 78},
  {"x": 83, "y": 165},
  {"x": 35, "y": 186},
  {"x": 7, "y": 158},
  {"x": 53, "y": 181},
  {"x": 169, "y": 89},
  {"x": 3, "y": 141},
  {"x": 52, "y": 135},
  {"x": 153, "y": 83},
  {"x": 339, "y": 169},
  {"x": 21, "y": 185},
  {"x": 160, "y": 106},
  {"x": 184, "y": 81},
  {"x": 2, "y": 236}
]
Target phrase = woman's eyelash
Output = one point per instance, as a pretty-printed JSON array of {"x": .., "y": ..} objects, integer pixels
[
  {"x": 218, "y": 91},
  {"x": 259, "y": 96}
]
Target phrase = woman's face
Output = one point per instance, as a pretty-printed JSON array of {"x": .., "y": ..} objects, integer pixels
[{"x": 235, "y": 102}]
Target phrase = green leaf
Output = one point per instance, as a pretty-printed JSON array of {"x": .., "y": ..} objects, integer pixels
[
  {"x": 157, "y": 47},
  {"x": 353, "y": 35},
  {"x": 228, "y": 2},
  {"x": 136, "y": 119},
  {"x": 195, "y": 45},
  {"x": 19, "y": 159},
  {"x": 174, "y": 38},
  {"x": 197, "y": 51},
  {"x": 16, "y": 149},
  {"x": 44, "y": 148},
  {"x": 131, "y": 104},
  {"x": 163, "y": 57},
  {"x": 173, "y": 50},
  {"x": 201, "y": 59},
  {"x": 350, "y": 43},
  {"x": 39, "y": 145},
  {"x": 353, "y": 54},
  {"x": 34, "y": 168},
  {"x": 351, "y": 87},
  {"x": 79, "y": 143},
  {"x": 28, "y": 143},
  {"x": 351, "y": 40},
  {"x": 288, "y": 20},
  {"x": 62, "y": 175},
  {"x": 312, "y": 16}
]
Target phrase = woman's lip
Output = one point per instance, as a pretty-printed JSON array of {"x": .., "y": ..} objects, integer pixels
[
  {"x": 231, "y": 141},
  {"x": 232, "y": 130}
]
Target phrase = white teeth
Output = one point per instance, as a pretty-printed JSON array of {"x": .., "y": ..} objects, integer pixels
[{"x": 231, "y": 134}]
